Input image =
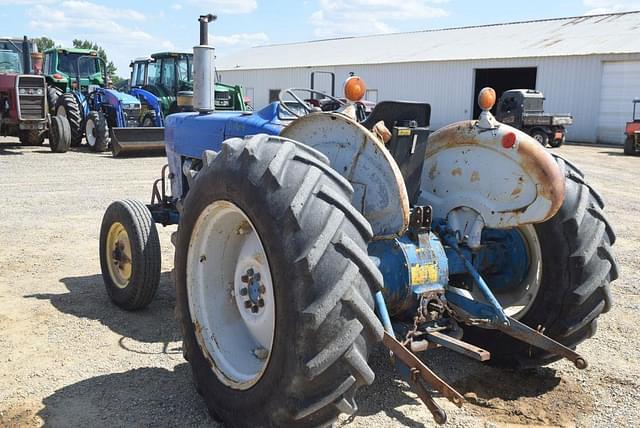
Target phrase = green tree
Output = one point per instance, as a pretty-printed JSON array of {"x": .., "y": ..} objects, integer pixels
[
  {"x": 43, "y": 43},
  {"x": 86, "y": 44}
]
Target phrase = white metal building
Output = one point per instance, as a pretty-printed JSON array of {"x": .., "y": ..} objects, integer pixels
[{"x": 588, "y": 66}]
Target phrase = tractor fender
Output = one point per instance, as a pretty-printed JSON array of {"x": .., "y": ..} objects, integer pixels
[
  {"x": 358, "y": 155},
  {"x": 501, "y": 173}
]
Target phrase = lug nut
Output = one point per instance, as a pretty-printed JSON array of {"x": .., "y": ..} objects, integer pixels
[
  {"x": 248, "y": 304},
  {"x": 261, "y": 302},
  {"x": 254, "y": 309},
  {"x": 244, "y": 291},
  {"x": 250, "y": 272},
  {"x": 244, "y": 278},
  {"x": 262, "y": 289},
  {"x": 257, "y": 276}
]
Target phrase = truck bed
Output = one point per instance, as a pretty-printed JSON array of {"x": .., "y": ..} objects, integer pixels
[{"x": 530, "y": 119}]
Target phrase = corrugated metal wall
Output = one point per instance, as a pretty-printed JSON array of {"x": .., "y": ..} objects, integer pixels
[{"x": 570, "y": 84}]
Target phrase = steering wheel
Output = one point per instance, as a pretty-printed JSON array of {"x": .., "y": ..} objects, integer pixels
[{"x": 305, "y": 106}]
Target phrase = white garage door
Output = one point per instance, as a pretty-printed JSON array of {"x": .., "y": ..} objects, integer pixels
[{"x": 620, "y": 85}]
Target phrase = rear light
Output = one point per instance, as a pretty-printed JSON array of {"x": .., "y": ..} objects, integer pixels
[
  {"x": 57, "y": 76},
  {"x": 509, "y": 140}
]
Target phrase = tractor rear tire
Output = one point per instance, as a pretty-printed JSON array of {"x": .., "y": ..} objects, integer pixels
[
  {"x": 541, "y": 137},
  {"x": 130, "y": 254},
  {"x": 578, "y": 265},
  {"x": 315, "y": 243},
  {"x": 53, "y": 93},
  {"x": 59, "y": 134},
  {"x": 97, "y": 132},
  {"x": 67, "y": 106},
  {"x": 630, "y": 146},
  {"x": 31, "y": 137}
]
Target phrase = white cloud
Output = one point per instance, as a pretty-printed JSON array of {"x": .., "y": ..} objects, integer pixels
[
  {"x": 239, "y": 40},
  {"x": 116, "y": 30},
  {"x": 176, "y": 6},
  {"x": 609, "y": 6},
  {"x": 352, "y": 17},
  {"x": 226, "y": 6}
]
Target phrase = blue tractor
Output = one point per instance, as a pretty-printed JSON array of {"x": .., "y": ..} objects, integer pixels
[
  {"x": 305, "y": 237},
  {"x": 103, "y": 115}
]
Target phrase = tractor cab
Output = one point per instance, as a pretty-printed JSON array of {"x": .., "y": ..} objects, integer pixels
[
  {"x": 10, "y": 62},
  {"x": 72, "y": 68}
]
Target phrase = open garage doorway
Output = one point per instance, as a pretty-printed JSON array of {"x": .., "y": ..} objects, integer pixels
[{"x": 503, "y": 79}]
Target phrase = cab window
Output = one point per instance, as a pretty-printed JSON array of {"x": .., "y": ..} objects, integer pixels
[
  {"x": 168, "y": 76},
  {"x": 153, "y": 74}
]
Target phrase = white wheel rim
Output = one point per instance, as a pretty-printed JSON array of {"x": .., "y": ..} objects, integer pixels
[
  {"x": 226, "y": 268},
  {"x": 61, "y": 111},
  {"x": 89, "y": 133},
  {"x": 538, "y": 138}
]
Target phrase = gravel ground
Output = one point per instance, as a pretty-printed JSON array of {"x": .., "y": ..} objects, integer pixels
[{"x": 71, "y": 358}]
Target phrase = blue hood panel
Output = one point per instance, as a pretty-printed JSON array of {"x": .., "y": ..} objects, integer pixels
[
  {"x": 123, "y": 97},
  {"x": 190, "y": 134}
]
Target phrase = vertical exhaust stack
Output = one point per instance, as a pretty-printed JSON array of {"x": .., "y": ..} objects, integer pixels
[{"x": 203, "y": 69}]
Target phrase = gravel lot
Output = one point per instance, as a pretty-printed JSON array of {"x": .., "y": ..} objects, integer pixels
[{"x": 71, "y": 358}]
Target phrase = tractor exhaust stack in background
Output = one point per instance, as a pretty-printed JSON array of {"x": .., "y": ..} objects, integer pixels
[{"x": 203, "y": 69}]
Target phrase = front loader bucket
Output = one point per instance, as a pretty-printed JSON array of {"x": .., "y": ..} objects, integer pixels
[{"x": 126, "y": 141}]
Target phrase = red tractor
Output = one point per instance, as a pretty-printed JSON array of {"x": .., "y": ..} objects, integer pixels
[
  {"x": 23, "y": 98},
  {"x": 632, "y": 131}
]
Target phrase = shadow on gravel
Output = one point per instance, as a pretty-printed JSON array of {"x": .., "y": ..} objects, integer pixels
[
  {"x": 612, "y": 153},
  {"x": 6, "y": 149},
  {"x": 148, "y": 396},
  {"x": 479, "y": 382},
  {"x": 87, "y": 298}
]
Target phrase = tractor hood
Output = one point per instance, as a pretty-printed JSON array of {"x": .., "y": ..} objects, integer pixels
[
  {"x": 190, "y": 134},
  {"x": 122, "y": 97}
]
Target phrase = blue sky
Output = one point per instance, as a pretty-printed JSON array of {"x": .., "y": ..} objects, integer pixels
[{"x": 128, "y": 29}]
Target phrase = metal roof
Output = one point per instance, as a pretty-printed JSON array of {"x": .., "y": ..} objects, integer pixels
[{"x": 584, "y": 35}]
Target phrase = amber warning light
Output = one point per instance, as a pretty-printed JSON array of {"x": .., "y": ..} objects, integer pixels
[
  {"x": 486, "y": 98},
  {"x": 354, "y": 89}
]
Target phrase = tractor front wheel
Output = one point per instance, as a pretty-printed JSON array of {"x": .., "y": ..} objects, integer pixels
[
  {"x": 67, "y": 107},
  {"x": 571, "y": 265},
  {"x": 630, "y": 146},
  {"x": 130, "y": 254},
  {"x": 274, "y": 287},
  {"x": 59, "y": 135},
  {"x": 96, "y": 131}
]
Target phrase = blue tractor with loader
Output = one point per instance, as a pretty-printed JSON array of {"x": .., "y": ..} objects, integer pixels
[
  {"x": 306, "y": 237},
  {"x": 78, "y": 90}
]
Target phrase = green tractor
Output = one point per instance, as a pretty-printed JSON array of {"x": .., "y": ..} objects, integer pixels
[
  {"x": 67, "y": 70},
  {"x": 60, "y": 71},
  {"x": 169, "y": 77}
]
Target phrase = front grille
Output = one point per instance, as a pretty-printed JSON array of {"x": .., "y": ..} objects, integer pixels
[
  {"x": 131, "y": 116},
  {"x": 31, "y": 97},
  {"x": 222, "y": 99}
]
